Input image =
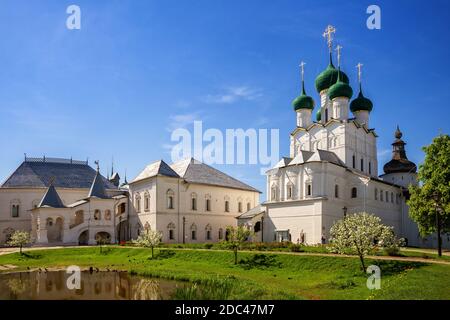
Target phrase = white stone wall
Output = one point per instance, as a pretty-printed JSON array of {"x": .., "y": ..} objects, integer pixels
[{"x": 161, "y": 217}]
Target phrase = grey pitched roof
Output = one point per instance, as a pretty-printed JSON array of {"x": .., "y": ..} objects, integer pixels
[
  {"x": 51, "y": 199},
  {"x": 252, "y": 212},
  {"x": 154, "y": 169},
  {"x": 98, "y": 188},
  {"x": 194, "y": 171},
  {"x": 66, "y": 174}
]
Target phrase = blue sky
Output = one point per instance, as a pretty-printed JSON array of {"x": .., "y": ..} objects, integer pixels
[{"x": 137, "y": 69}]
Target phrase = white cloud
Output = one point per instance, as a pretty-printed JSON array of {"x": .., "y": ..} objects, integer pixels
[
  {"x": 233, "y": 94},
  {"x": 383, "y": 154}
]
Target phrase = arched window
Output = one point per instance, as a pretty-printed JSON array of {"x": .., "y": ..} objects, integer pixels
[
  {"x": 354, "y": 192},
  {"x": 137, "y": 202},
  {"x": 170, "y": 199},
  {"x": 208, "y": 232},
  {"x": 257, "y": 227},
  {"x": 194, "y": 201},
  {"x": 273, "y": 193},
  {"x": 193, "y": 232},
  {"x": 326, "y": 115},
  {"x": 97, "y": 215},
  {"x": 362, "y": 164},
  {"x": 107, "y": 214},
  {"x": 208, "y": 202},
  {"x": 381, "y": 195},
  {"x": 248, "y": 206},
  {"x": 146, "y": 201},
  {"x": 354, "y": 162},
  {"x": 15, "y": 208},
  {"x": 387, "y": 196},
  {"x": 370, "y": 167},
  {"x": 392, "y": 197},
  {"x": 240, "y": 206},
  {"x": 49, "y": 222},
  {"x": 121, "y": 208},
  {"x": 336, "y": 191},
  {"x": 171, "y": 228},
  {"x": 79, "y": 217},
  {"x": 227, "y": 206},
  {"x": 290, "y": 191},
  {"x": 308, "y": 189},
  {"x": 376, "y": 194},
  {"x": 220, "y": 234}
]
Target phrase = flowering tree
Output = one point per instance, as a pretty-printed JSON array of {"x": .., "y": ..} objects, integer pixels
[
  {"x": 235, "y": 238},
  {"x": 149, "y": 239},
  {"x": 19, "y": 239},
  {"x": 360, "y": 234}
]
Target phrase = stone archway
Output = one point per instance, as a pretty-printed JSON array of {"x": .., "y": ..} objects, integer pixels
[
  {"x": 55, "y": 229},
  {"x": 103, "y": 237},
  {"x": 83, "y": 238}
]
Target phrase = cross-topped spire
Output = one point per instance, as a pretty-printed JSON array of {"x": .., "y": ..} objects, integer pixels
[
  {"x": 338, "y": 49},
  {"x": 359, "y": 67},
  {"x": 328, "y": 34},
  {"x": 302, "y": 68},
  {"x": 98, "y": 165}
]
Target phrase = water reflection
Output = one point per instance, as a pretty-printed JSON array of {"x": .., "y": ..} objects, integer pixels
[{"x": 94, "y": 286}]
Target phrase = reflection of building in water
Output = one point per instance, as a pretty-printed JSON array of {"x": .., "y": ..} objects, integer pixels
[{"x": 94, "y": 286}]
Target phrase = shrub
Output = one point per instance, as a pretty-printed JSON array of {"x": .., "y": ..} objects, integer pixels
[
  {"x": 208, "y": 245},
  {"x": 260, "y": 261}
]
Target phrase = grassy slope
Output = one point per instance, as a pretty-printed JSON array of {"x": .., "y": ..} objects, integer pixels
[{"x": 299, "y": 277}]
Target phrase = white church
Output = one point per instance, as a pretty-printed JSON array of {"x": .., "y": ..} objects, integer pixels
[{"x": 332, "y": 169}]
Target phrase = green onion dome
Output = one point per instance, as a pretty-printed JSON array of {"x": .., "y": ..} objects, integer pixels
[
  {"x": 329, "y": 77},
  {"x": 340, "y": 89},
  {"x": 361, "y": 103},
  {"x": 303, "y": 101},
  {"x": 318, "y": 116}
]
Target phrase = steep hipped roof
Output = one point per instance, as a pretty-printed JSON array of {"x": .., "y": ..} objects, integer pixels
[
  {"x": 51, "y": 199},
  {"x": 194, "y": 171},
  {"x": 97, "y": 188},
  {"x": 154, "y": 169},
  {"x": 37, "y": 173}
]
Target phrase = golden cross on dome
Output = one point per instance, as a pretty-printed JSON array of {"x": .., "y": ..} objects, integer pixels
[
  {"x": 328, "y": 34},
  {"x": 338, "y": 49},
  {"x": 359, "y": 67},
  {"x": 302, "y": 67}
]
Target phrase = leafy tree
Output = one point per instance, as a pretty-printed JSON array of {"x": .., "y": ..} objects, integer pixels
[
  {"x": 429, "y": 204},
  {"x": 360, "y": 233},
  {"x": 19, "y": 239},
  {"x": 149, "y": 239},
  {"x": 236, "y": 236}
]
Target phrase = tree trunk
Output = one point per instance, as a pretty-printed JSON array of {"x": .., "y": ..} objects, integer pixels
[
  {"x": 439, "y": 238},
  {"x": 235, "y": 255},
  {"x": 152, "y": 252},
  {"x": 20, "y": 249},
  {"x": 361, "y": 258}
]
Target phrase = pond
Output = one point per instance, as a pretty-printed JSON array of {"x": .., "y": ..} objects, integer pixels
[{"x": 52, "y": 285}]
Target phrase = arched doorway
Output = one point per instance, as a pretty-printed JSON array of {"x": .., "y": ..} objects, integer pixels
[
  {"x": 83, "y": 239},
  {"x": 54, "y": 229},
  {"x": 122, "y": 231},
  {"x": 103, "y": 237}
]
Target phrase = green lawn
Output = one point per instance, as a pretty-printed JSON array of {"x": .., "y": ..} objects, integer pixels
[{"x": 286, "y": 277}]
